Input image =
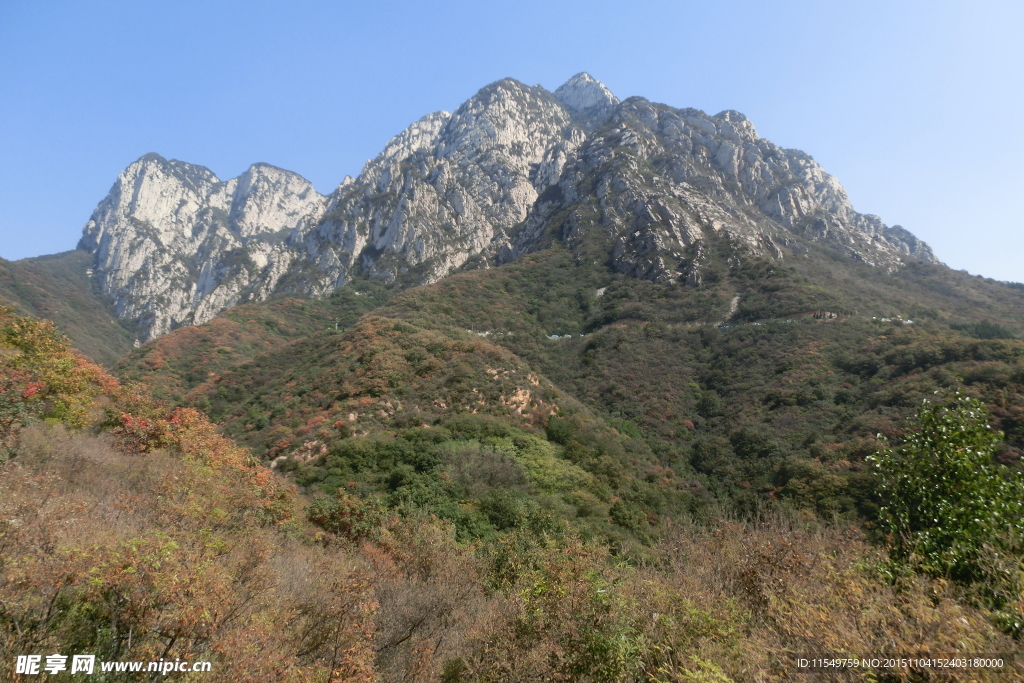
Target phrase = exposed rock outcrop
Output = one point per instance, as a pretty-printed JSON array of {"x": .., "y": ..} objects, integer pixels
[
  {"x": 640, "y": 185},
  {"x": 173, "y": 245},
  {"x": 649, "y": 187},
  {"x": 446, "y": 190}
]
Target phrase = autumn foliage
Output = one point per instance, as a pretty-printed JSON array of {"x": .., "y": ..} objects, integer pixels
[
  {"x": 135, "y": 531},
  {"x": 42, "y": 378}
]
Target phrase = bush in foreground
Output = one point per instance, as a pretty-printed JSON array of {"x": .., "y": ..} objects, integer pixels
[{"x": 950, "y": 510}]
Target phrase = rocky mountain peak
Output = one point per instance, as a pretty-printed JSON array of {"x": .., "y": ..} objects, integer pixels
[
  {"x": 506, "y": 113},
  {"x": 735, "y": 125},
  {"x": 583, "y": 93},
  {"x": 421, "y": 136},
  {"x": 162, "y": 194},
  {"x": 447, "y": 189},
  {"x": 268, "y": 199},
  {"x": 635, "y": 184},
  {"x": 173, "y": 245}
]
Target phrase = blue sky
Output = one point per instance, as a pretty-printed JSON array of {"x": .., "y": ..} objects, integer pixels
[{"x": 913, "y": 106}]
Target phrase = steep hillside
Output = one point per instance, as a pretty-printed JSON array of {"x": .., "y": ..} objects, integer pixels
[
  {"x": 60, "y": 288},
  {"x": 759, "y": 384},
  {"x": 134, "y": 533},
  {"x": 451, "y": 422},
  {"x": 781, "y": 397},
  {"x": 174, "y": 364}
]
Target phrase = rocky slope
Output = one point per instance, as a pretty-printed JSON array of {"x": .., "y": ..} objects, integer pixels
[
  {"x": 448, "y": 188},
  {"x": 639, "y": 185},
  {"x": 174, "y": 245},
  {"x": 648, "y": 188}
]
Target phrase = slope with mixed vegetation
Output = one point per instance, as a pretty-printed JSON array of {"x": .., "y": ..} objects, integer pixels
[
  {"x": 59, "y": 288},
  {"x": 781, "y": 399},
  {"x": 174, "y": 364},
  {"x": 770, "y": 383},
  {"x": 455, "y": 425},
  {"x": 134, "y": 531}
]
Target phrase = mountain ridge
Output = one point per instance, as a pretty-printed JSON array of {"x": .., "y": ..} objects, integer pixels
[
  {"x": 511, "y": 167},
  {"x": 639, "y": 320}
]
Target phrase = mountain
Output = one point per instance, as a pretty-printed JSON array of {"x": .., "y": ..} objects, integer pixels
[
  {"x": 645, "y": 273},
  {"x": 768, "y": 383},
  {"x": 173, "y": 245},
  {"x": 645, "y": 189},
  {"x": 638, "y": 185},
  {"x": 561, "y": 387},
  {"x": 662, "y": 275}
]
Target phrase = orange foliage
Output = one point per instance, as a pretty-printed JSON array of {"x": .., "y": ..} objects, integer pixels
[
  {"x": 161, "y": 538},
  {"x": 41, "y": 376},
  {"x": 141, "y": 557}
]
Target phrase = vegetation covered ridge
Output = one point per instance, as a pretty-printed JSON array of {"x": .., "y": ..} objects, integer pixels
[
  {"x": 739, "y": 415},
  {"x": 132, "y": 530},
  {"x": 59, "y": 287}
]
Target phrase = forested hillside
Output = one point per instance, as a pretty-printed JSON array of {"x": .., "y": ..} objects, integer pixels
[
  {"x": 769, "y": 384},
  {"x": 58, "y": 287},
  {"x": 132, "y": 530}
]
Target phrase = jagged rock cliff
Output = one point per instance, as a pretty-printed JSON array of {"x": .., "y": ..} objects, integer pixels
[
  {"x": 173, "y": 245},
  {"x": 646, "y": 189},
  {"x": 447, "y": 189},
  {"x": 638, "y": 184}
]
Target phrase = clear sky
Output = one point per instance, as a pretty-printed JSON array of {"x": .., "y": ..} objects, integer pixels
[{"x": 913, "y": 105}]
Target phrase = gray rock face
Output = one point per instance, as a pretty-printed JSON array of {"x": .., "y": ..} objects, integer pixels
[
  {"x": 641, "y": 185},
  {"x": 647, "y": 189},
  {"x": 174, "y": 246},
  {"x": 446, "y": 190},
  {"x": 588, "y": 97}
]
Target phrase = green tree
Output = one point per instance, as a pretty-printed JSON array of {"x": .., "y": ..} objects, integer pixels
[
  {"x": 354, "y": 519},
  {"x": 949, "y": 509}
]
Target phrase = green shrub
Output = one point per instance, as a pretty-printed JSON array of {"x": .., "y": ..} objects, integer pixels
[
  {"x": 351, "y": 518},
  {"x": 949, "y": 510},
  {"x": 985, "y": 330}
]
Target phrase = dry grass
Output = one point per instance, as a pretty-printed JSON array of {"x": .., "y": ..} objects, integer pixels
[
  {"x": 140, "y": 555},
  {"x": 807, "y": 588},
  {"x": 737, "y": 602}
]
